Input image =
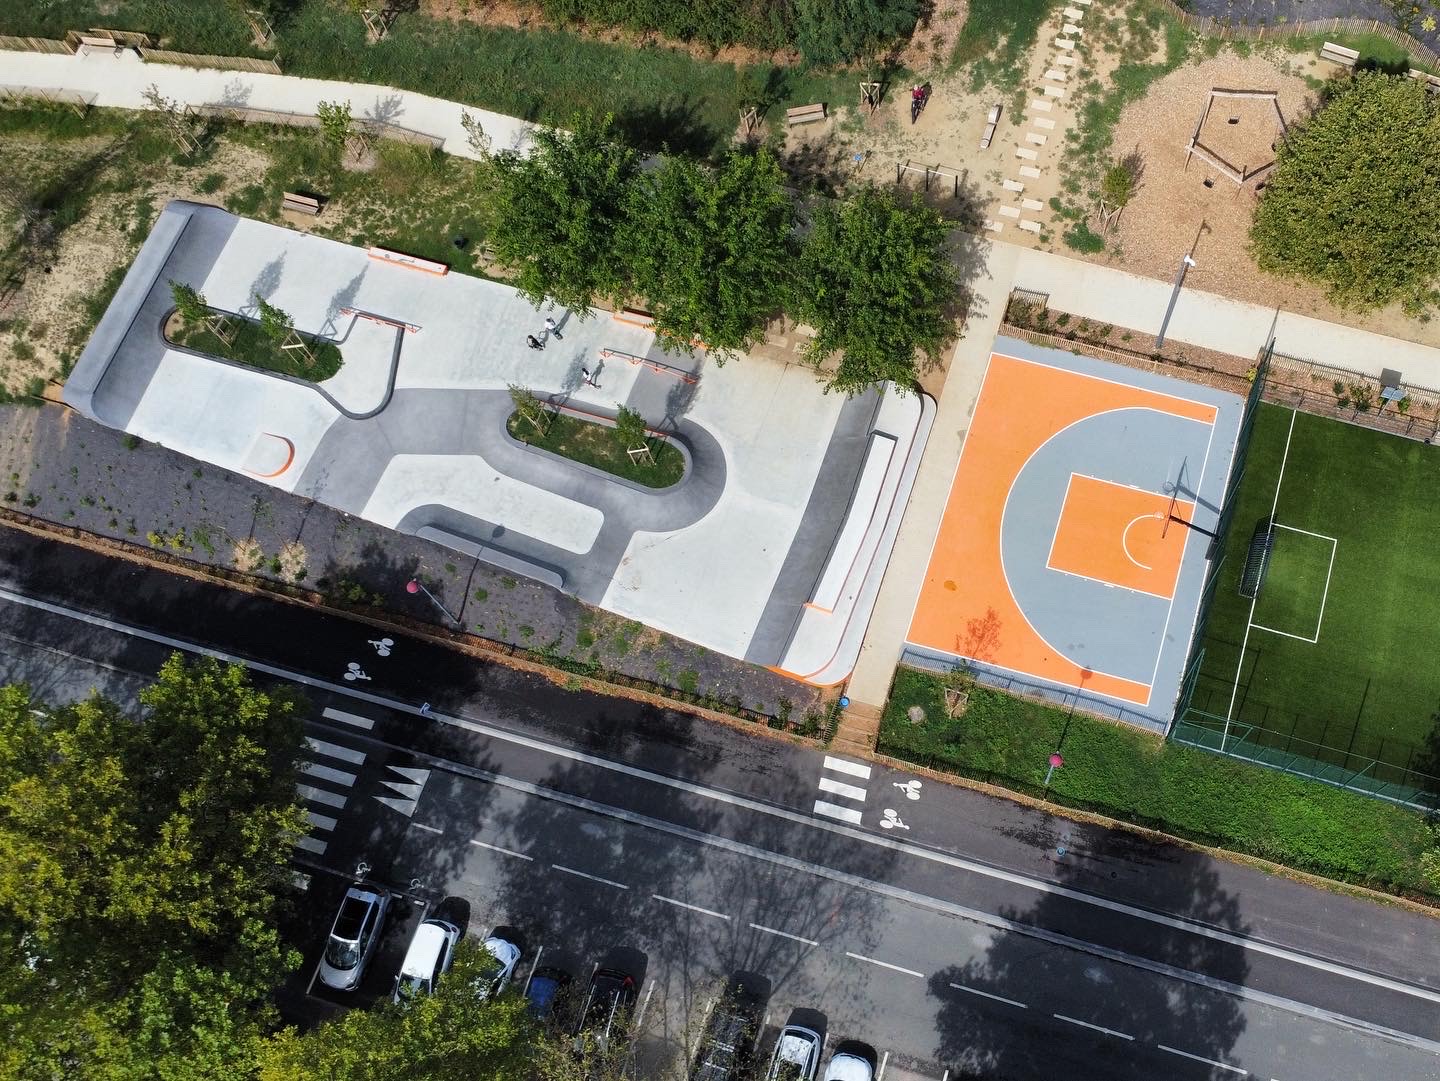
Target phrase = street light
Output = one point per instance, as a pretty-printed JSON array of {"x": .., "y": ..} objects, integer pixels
[
  {"x": 1185, "y": 264},
  {"x": 416, "y": 586}
]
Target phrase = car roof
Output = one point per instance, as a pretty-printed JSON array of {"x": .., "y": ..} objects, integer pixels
[
  {"x": 847, "y": 1067},
  {"x": 503, "y": 951},
  {"x": 796, "y": 1043},
  {"x": 425, "y": 948}
]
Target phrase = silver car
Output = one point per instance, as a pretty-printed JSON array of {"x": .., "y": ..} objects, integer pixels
[
  {"x": 852, "y": 1061},
  {"x": 797, "y": 1055},
  {"x": 353, "y": 937}
]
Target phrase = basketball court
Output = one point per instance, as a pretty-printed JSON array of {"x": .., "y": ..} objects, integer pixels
[{"x": 1072, "y": 550}]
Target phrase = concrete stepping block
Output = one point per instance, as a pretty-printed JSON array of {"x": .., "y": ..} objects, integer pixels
[
  {"x": 1071, "y": 29},
  {"x": 1066, "y": 61},
  {"x": 1026, "y": 153},
  {"x": 1029, "y": 172},
  {"x": 1033, "y": 139},
  {"x": 1064, "y": 43},
  {"x": 1074, "y": 14},
  {"x": 1009, "y": 212},
  {"x": 1030, "y": 226},
  {"x": 1043, "y": 122},
  {"x": 994, "y": 226},
  {"x": 1054, "y": 91},
  {"x": 1082, "y": 3},
  {"x": 1012, "y": 185},
  {"x": 1040, "y": 105},
  {"x": 1056, "y": 74},
  {"x": 1032, "y": 204}
]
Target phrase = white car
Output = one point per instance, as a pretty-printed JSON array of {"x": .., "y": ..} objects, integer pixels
[
  {"x": 429, "y": 956},
  {"x": 797, "y": 1055},
  {"x": 353, "y": 937},
  {"x": 507, "y": 954},
  {"x": 851, "y": 1062}
]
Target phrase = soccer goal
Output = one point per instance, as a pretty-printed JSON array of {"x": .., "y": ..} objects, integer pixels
[{"x": 1257, "y": 558}]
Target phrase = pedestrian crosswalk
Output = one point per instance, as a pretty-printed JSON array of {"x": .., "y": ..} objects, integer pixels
[
  {"x": 324, "y": 788},
  {"x": 846, "y": 790}
]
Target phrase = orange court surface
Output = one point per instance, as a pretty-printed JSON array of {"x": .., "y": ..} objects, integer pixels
[{"x": 1065, "y": 563}]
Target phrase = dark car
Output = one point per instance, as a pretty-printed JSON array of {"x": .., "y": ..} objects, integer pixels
[
  {"x": 730, "y": 1034},
  {"x": 608, "y": 1002},
  {"x": 543, "y": 991}
]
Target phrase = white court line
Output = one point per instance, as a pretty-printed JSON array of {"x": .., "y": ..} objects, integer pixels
[
  {"x": 502, "y": 851},
  {"x": 987, "y": 994},
  {"x": 885, "y": 964},
  {"x": 839, "y": 788},
  {"x": 1113, "y": 585},
  {"x": 1125, "y": 541},
  {"x": 1250, "y": 619},
  {"x": 1324, "y": 596},
  {"x": 1201, "y": 1058},
  {"x": 1095, "y": 1028},
  {"x": 1283, "y": 634},
  {"x": 348, "y": 718},
  {"x": 592, "y": 878},
  {"x": 840, "y": 765},
  {"x": 832, "y": 810},
  {"x": 692, "y": 908},
  {"x": 334, "y": 750},
  {"x": 1055, "y": 533},
  {"x": 427, "y": 829},
  {"x": 1308, "y": 533},
  {"x": 783, "y": 934}
]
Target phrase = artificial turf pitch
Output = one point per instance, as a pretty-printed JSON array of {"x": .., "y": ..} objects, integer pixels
[{"x": 1370, "y": 682}]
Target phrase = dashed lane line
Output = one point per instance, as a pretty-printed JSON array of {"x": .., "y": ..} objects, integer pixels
[
  {"x": 592, "y": 878},
  {"x": 690, "y": 907},
  {"x": 427, "y": 829},
  {"x": 987, "y": 994},
  {"x": 783, "y": 934},
  {"x": 1201, "y": 1058},
  {"x": 885, "y": 964},
  {"x": 502, "y": 851},
  {"x": 1093, "y": 1028}
]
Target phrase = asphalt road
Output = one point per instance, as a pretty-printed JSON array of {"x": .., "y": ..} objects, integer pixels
[{"x": 960, "y": 938}]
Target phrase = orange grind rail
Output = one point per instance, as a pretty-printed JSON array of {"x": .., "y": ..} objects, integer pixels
[{"x": 965, "y": 604}]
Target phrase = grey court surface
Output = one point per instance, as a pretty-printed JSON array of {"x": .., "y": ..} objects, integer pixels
[
  {"x": 1056, "y": 570},
  {"x": 770, "y": 549}
]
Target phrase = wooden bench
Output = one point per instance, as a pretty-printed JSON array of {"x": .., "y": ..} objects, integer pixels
[
  {"x": 300, "y": 204},
  {"x": 804, "y": 114},
  {"x": 1432, "y": 82},
  {"x": 1338, "y": 54},
  {"x": 97, "y": 42},
  {"x": 992, "y": 118}
]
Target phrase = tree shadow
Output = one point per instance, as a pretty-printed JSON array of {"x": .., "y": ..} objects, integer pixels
[
  {"x": 667, "y": 127},
  {"x": 983, "y": 1032}
]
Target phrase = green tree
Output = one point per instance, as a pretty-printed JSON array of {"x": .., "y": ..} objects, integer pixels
[
  {"x": 189, "y": 302},
  {"x": 557, "y": 212},
  {"x": 335, "y": 122},
  {"x": 530, "y": 408},
  {"x": 838, "y": 31},
  {"x": 275, "y": 323},
  {"x": 1354, "y": 200},
  {"x": 451, "y": 1035},
  {"x": 630, "y": 429},
  {"x": 1118, "y": 184},
  {"x": 711, "y": 249},
  {"x": 874, "y": 281}
]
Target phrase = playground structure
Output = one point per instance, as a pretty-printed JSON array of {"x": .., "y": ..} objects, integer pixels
[
  {"x": 931, "y": 173},
  {"x": 1251, "y": 130}
]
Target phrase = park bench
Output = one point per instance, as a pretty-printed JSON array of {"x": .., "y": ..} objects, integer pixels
[
  {"x": 300, "y": 204},
  {"x": 1431, "y": 82},
  {"x": 97, "y": 42},
  {"x": 1338, "y": 54},
  {"x": 804, "y": 114},
  {"x": 991, "y": 119}
]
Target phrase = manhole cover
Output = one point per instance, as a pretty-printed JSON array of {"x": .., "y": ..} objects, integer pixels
[{"x": 916, "y": 714}]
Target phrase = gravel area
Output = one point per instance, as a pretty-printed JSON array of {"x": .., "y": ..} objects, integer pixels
[{"x": 58, "y": 466}]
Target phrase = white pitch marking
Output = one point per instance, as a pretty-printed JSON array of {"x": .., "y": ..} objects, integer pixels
[
  {"x": 319, "y": 795},
  {"x": 1096, "y": 1028},
  {"x": 325, "y": 773},
  {"x": 334, "y": 750},
  {"x": 783, "y": 934},
  {"x": 502, "y": 851},
  {"x": 427, "y": 829},
  {"x": 692, "y": 908},
  {"x": 987, "y": 994},
  {"x": 840, "y": 788},
  {"x": 841, "y": 765},
  {"x": 332, "y": 714},
  {"x": 885, "y": 964},
  {"x": 1201, "y": 1058},
  {"x": 831, "y": 810},
  {"x": 592, "y": 878}
]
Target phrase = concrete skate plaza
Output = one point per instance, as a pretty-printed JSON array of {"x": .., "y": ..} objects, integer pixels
[
  {"x": 1063, "y": 556},
  {"x": 770, "y": 549}
]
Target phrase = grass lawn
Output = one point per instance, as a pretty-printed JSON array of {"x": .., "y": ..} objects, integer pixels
[
  {"x": 1131, "y": 775},
  {"x": 251, "y": 346},
  {"x": 595, "y": 445},
  {"x": 1354, "y": 567}
]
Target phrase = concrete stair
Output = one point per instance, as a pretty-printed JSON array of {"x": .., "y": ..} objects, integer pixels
[{"x": 858, "y": 730}]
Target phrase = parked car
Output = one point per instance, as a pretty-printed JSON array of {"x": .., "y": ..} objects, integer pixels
[
  {"x": 544, "y": 989},
  {"x": 353, "y": 937},
  {"x": 852, "y": 1061},
  {"x": 507, "y": 954},
  {"x": 729, "y": 1037},
  {"x": 606, "y": 1012},
  {"x": 797, "y": 1055},
  {"x": 430, "y": 953}
]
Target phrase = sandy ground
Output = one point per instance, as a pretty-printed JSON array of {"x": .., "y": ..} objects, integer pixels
[{"x": 1164, "y": 218}]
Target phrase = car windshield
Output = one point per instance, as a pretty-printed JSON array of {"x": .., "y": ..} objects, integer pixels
[
  {"x": 410, "y": 986},
  {"x": 341, "y": 953},
  {"x": 788, "y": 1071}
]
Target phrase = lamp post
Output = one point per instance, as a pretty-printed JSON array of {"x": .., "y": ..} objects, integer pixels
[
  {"x": 1185, "y": 264},
  {"x": 416, "y": 586},
  {"x": 1055, "y": 763}
]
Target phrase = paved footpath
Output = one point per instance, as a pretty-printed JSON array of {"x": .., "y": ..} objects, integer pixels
[{"x": 1102, "y": 294}]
